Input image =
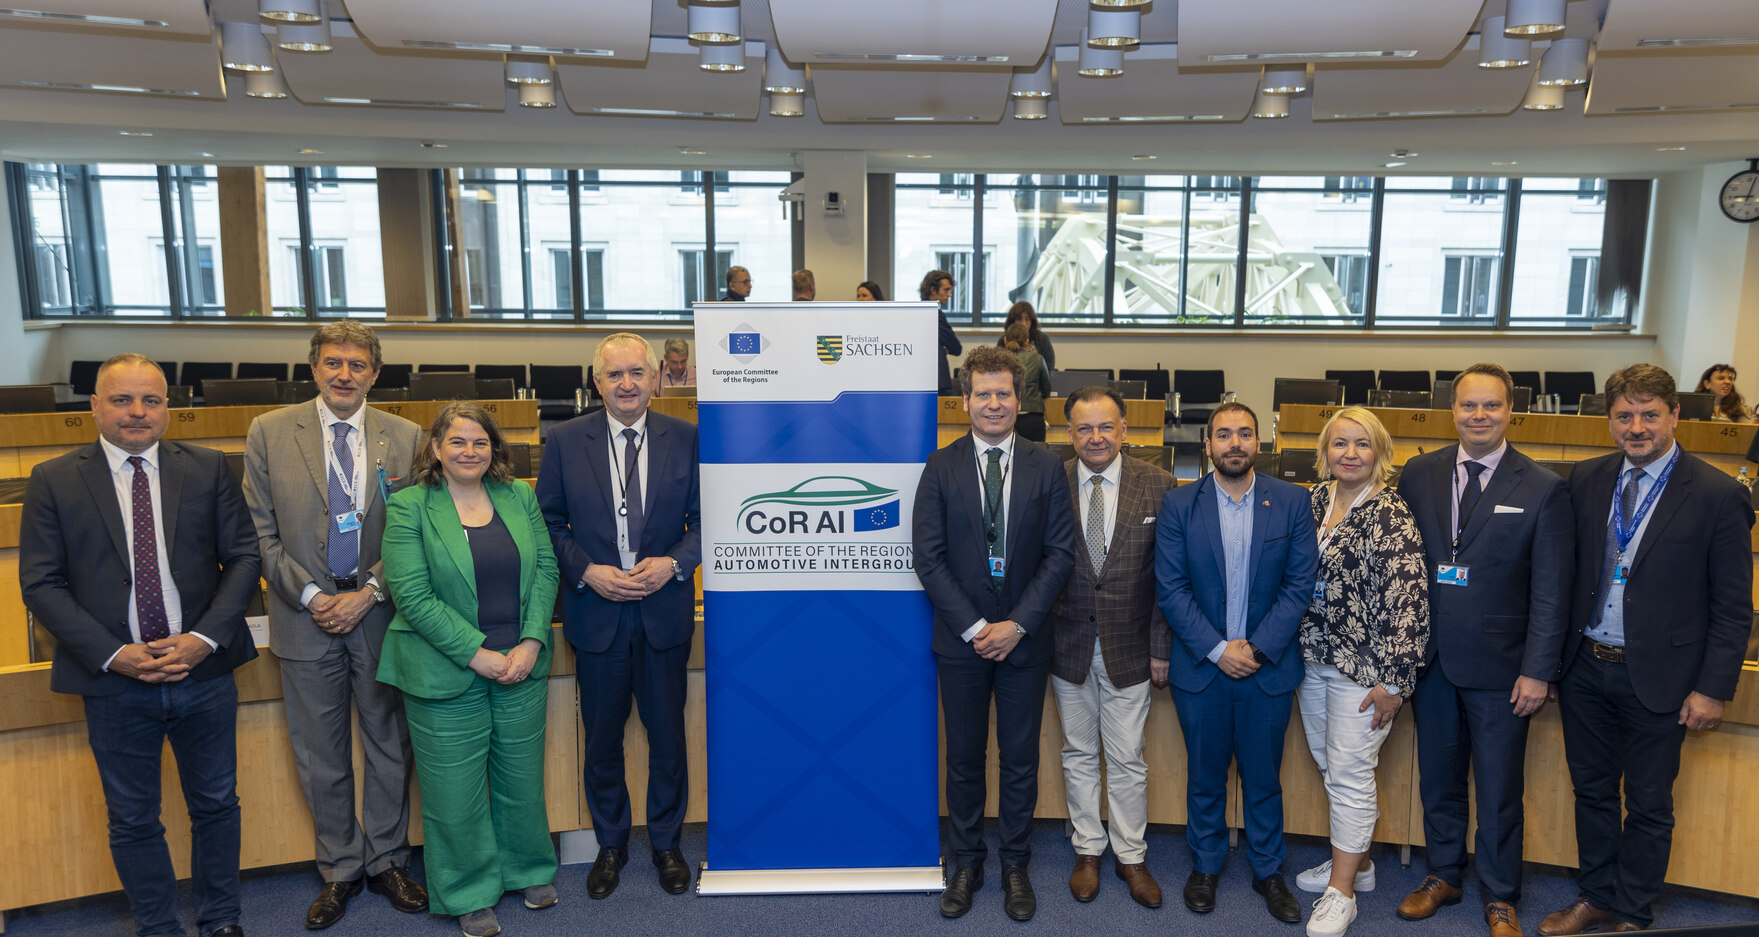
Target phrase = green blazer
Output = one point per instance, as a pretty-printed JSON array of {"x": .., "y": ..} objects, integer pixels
[{"x": 433, "y": 581}]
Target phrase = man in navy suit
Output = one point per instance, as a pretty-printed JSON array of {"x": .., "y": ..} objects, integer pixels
[
  {"x": 1235, "y": 560},
  {"x": 619, "y": 492},
  {"x": 138, "y": 555},
  {"x": 1663, "y": 605},
  {"x": 1497, "y": 540},
  {"x": 994, "y": 542}
]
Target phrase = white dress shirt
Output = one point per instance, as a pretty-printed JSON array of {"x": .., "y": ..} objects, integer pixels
[
  {"x": 1007, "y": 462},
  {"x": 1108, "y": 490},
  {"x": 356, "y": 438},
  {"x": 625, "y": 549},
  {"x": 1461, "y": 476},
  {"x": 122, "y": 476}
]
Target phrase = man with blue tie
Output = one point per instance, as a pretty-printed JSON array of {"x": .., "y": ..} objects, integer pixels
[
  {"x": 1235, "y": 559},
  {"x": 1663, "y": 608},
  {"x": 993, "y": 537},
  {"x": 619, "y": 493}
]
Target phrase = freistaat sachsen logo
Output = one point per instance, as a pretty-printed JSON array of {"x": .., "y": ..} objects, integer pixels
[{"x": 830, "y": 348}]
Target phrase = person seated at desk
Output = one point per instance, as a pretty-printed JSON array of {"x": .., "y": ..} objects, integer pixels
[
  {"x": 868, "y": 291},
  {"x": 1719, "y": 379},
  {"x": 678, "y": 372}
]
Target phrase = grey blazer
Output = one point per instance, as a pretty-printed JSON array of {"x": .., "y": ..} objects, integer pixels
[{"x": 288, "y": 494}]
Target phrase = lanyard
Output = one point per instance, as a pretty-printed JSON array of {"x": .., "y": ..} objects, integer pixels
[
  {"x": 358, "y": 444},
  {"x": 1624, "y": 535},
  {"x": 993, "y": 509},
  {"x": 1466, "y": 515},
  {"x": 624, "y": 476},
  {"x": 1325, "y": 533}
]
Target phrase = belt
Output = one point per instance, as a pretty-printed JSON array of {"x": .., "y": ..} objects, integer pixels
[
  {"x": 1611, "y": 653},
  {"x": 352, "y": 583}
]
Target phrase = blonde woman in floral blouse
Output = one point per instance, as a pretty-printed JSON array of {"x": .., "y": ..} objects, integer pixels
[{"x": 1362, "y": 638}]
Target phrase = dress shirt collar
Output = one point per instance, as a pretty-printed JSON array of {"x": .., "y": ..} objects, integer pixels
[
  {"x": 1112, "y": 473},
  {"x": 118, "y": 457},
  {"x": 1223, "y": 497},
  {"x": 1490, "y": 461},
  {"x": 1653, "y": 469},
  {"x": 616, "y": 427},
  {"x": 983, "y": 448},
  {"x": 356, "y": 423}
]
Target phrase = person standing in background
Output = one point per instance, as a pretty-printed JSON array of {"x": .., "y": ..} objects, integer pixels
[
  {"x": 868, "y": 291},
  {"x": 1022, "y": 311},
  {"x": 805, "y": 287},
  {"x": 738, "y": 285},
  {"x": 937, "y": 287},
  {"x": 678, "y": 372},
  {"x": 1034, "y": 387}
]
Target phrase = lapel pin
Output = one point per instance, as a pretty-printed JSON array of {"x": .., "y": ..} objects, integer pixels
[{"x": 1265, "y": 503}]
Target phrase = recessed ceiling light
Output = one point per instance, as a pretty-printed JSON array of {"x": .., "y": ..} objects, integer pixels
[
  {"x": 136, "y": 133},
  {"x": 1394, "y": 164},
  {"x": 1294, "y": 56},
  {"x": 1669, "y": 149},
  {"x": 919, "y": 156},
  {"x": 432, "y": 145},
  {"x": 693, "y": 152},
  {"x": 95, "y": 20},
  {"x": 1404, "y": 154},
  {"x": 1143, "y": 156},
  {"x": 1503, "y": 162},
  {"x": 1704, "y": 41},
  {"x": 308, "y": 151},
  {"x": 507, "y": 48},
  {"x": 205, "y": 155},
  {"x": 119, "y": 89}
]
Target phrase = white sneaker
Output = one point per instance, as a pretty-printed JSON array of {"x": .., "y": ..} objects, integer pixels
[
  {"x": 1332, "y": 914},
  {"x": 1318, "y": 878}
]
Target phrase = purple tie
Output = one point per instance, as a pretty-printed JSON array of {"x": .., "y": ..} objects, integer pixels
[{"x": 149, "y": 594}]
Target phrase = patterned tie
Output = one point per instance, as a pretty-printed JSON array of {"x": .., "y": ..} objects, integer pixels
[
  {"x": 1096, "y": 526},
  {"x": 149, "y": 592},
  {"x": 632, "y": 493},
  {"x": 343, "y": 548},
  {"x": 997, "y": 524},
  {"x": 1469, "y": 496},
  {"x": 1627, "y": 508}
]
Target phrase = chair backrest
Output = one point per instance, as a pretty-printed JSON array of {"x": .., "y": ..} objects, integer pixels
[
  {"x": 392, "y": 376},
  {"x": 301, "y": 371},
  {"x": 83, "y": 375},
  {"x": 511, "y": 372},
  {"x": 170, "y": 369},
  {"x": 556, "y": 381},
  {"x": 269, "y": 369},
  {"x": 233, "y": 392},
  {"x": 195, "y": 373},
  {"x": 444, "y": 367},
  {"x": 1569, "y": 385},
  {"x": 1441, "y": 375},
  {"x": 442, "y": 385},
  {"x": 1159, "y": 381},
  {"x": 1195, "y": 387},
  {"x": 27, "y": 398},
  {"x": 1355, "y": 384},
  {"x": 1404, "y": 380},
  {"x": 1526, "y": 379}
]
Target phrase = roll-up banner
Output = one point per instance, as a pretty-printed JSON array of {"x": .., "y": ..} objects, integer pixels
[{"x": 813, "y": 422}]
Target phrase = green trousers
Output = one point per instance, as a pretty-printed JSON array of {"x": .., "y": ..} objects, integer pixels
[{"x": 480, "y": 760}]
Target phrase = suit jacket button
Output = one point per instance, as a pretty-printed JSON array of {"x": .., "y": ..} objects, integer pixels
[
  {"x": 1090, "y": 618},
  {"x": 1099, "y": 587}
]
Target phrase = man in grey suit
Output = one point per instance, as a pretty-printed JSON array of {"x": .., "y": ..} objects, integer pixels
[{"x": 316, "y": 477}]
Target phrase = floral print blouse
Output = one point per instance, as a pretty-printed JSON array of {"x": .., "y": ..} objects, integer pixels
[{"x": 1369, "y": 617}]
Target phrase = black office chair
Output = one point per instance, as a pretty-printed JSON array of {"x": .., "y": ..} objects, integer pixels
[
  {"x": 1159, "y": 382},
  {"x": 170, "y": 369},
  {"x": 83, "y": 375},
  {"x": 1569, "y": 386},
  {"x": 301, "y": 372},
  {"x": 195, "y": 372},
  {"x": 393, "y": 376},
  {"x": 1446, "y": 375},
  {"x": 1404, "y": 380},
  {"x": 511, "y": 372},
  {"x": 1356, "y": 384},
  {"x": 1526, "y": 379},
  {"x": 1199, "y": 392},
  {"x": 444, "y": 367},
  {"x": 248, "y": 369},
  {"x": 559, "y": 389}
]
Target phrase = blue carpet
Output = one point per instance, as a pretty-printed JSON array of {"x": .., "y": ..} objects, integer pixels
[{"x": 275, "y": 901}]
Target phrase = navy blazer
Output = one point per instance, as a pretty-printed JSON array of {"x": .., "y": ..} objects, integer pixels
[
  {"x": 952, "y": 554},
  {"x": 579, "y": 495},
  {"x": 76, "y": 571},
  {"x": 1193, "y": 587},
  {"x": 1510, "y": 619},
  {"x": 1689, "y": 599}
]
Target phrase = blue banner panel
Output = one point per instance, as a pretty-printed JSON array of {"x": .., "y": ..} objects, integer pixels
[
  {"x": 822, "y": 730},
  {"x": 874, "y": 426}
]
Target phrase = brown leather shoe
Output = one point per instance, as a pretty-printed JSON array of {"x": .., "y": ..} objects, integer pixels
[
  {"x": 1428, "y": 898},
  {"x": 1143, "y": 887},
  {"x": 1579, "y": 917},
  {"x": 1500, "y": 915},
  {"x": 1084, "y": 881},
  {"x": 1624, "y": 926}
]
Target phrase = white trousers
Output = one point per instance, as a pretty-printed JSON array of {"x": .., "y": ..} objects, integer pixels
[
  {"x": 1347, "y": 750},
  {"x": 1096, "y": 714}
]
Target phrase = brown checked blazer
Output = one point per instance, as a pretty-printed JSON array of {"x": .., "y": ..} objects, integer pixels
[{"x": 1117, "y": 606}]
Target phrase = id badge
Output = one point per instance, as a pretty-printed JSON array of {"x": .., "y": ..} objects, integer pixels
[
  {"x": 1448, "y": 574},
  {"x": 1319, "y": 591},
  {"x": 1621, "y": 574},
  {"x": 348, "y": 522},
  {"x": 998, "y": 566}
]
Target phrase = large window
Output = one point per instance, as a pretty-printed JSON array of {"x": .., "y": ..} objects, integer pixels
[{"x": 325, "y": 253}]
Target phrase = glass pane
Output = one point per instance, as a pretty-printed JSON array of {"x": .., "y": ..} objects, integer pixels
[
  {"x": 494, "y": 259},
  {"x": 752, "y": 231},
  {"x": 1557, "y": 254},
  {"x": 638, "y": 231},
  {"x": 1151, "y": 241},
  {"x": 285, "y": 289},
  {"x": 933, "y": 227},
  {"x": 1044, "y": 242},
  {"x": 1307, "y": 255},
  {"x": 546, "y": 207},
  {"x": 52, "y": 247},
  {"x": 348, "y": 261},
  {"x": 130, "y": 235},
  {"x": 1440, "y": 257},
  {"x": 198, "y": 221}
]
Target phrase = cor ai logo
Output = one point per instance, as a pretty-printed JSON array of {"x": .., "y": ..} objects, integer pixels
[
  {"x": 825, "y": 504},
  {"x": 830, "y": 348}
]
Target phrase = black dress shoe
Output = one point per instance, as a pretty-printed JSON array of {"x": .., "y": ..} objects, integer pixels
[
  {"x": 1200, "y": 892},
  {"x": 404, "y": 893},
  {"x": 1277, "y": 898},
  {"x": 674, "y": 874},
  {"x": 1017, "y": 897},
  {"x": 331, "y": 904},
  {"x": 606, "y": 870},
  {"x": 230, "y": 930},
  {"x": 956, "y": 899}
]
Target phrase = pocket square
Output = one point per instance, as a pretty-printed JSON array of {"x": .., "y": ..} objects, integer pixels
[
  {"x": 1149, "y": 519},
  {"x": 1508, "y": 509}
]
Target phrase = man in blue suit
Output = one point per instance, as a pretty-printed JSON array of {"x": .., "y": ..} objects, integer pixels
[
  {"x": 994, "y": 536},
  {"x": 1235, "y": 559},
  {"x": 619, "y": 492}
]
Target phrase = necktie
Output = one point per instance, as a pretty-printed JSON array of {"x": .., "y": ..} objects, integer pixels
[
  {"x": 344, "y": 546},
  {"x": 995, "y": 514},
  {"x": 1096, "y": 526},
  {"x": 1469, "y": 496},
  {"x": 632, "y": 488},
  {"x": 149, "y": 592}
]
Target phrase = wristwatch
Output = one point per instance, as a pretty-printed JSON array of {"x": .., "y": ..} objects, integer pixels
[
  {"x": 1020, "y": 629},
  {"x": 677, "y": 571},
  {"x": 378, "y": 594}
]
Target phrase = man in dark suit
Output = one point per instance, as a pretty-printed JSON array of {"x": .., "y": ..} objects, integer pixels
[
  {"x": 738, "y": 285},
  {"x": 937, "y": 287},
  {"x": 316, "y": 476},
  {"x": 1663, "y": 605},
  {"x": 1496, "y": 536},
  {"x": 619, "y": 492},
  {"x": 993, "y": 539},
  {"x": 1110, "y": 639},
  {"x": 1235, "y": 559},
  {"x": 138, "y": 555}
]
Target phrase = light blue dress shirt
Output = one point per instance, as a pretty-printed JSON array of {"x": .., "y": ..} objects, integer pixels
[
  {"x": 1236, "y": 527},
  {"x": 1611, "y": 628}
]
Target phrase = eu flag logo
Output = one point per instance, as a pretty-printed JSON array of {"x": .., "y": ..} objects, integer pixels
[
  {"x": 744, "y": 343},
  {"x": 878, "y": 517}
]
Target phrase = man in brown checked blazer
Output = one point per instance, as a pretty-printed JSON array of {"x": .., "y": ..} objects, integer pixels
[{"x": 1111, "y": 640}]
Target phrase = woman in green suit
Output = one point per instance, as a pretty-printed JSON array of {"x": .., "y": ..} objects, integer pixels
[{"x": 469, "y": 563}]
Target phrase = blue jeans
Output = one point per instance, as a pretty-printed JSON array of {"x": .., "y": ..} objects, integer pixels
[{"x": 127, "y": 733}]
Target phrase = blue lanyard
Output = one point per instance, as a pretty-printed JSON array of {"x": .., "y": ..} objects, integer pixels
[{"x": 1618, "y": 506}]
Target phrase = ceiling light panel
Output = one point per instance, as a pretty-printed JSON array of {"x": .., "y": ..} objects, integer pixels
[
  {"x": 358, "y": 72},
  {"x": 1288, "y": 31},
  {"x": 955, "y": 35},
  {"x": 276, "y": 12},
  {"x": 300, "y": 37},
  {"x": 547, "y": 27},
  {"x": 670, "y": 85},
  {"x": 1153, "y": 90},
  {"x": 779, "y": 77},
  {"x": 1456, "y": 88},
  {"x": 864, "y": 95},
  {"x": 166, "y": 17},
  {"x": 1644, "y": 83},
  {"x": 78, "y": 60},
  {"x": 1683, "y": 22}
]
